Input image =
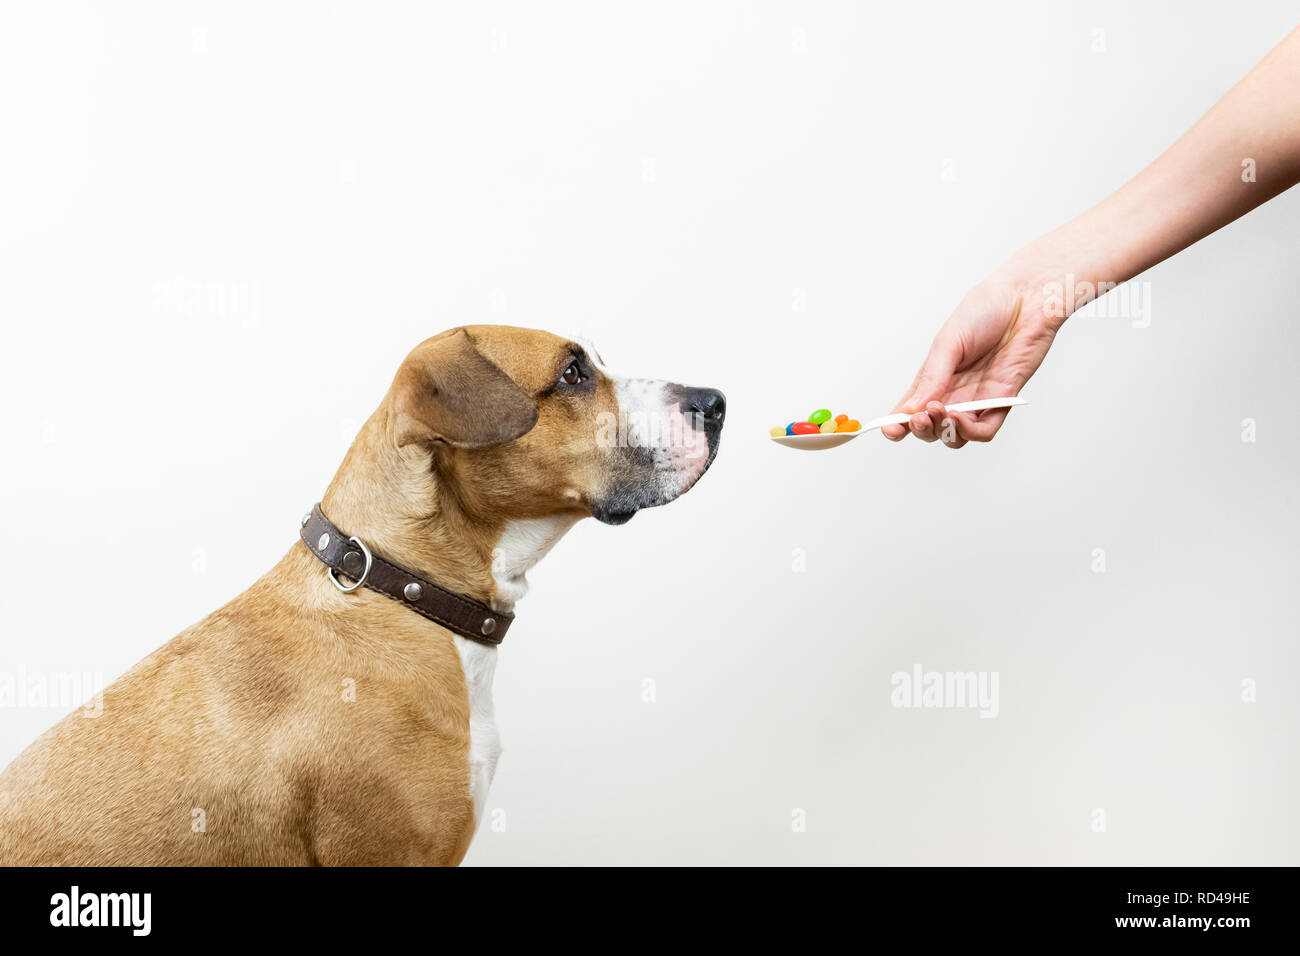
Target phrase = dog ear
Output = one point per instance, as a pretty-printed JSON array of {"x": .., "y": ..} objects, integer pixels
[{"x": 446, "y": 391}]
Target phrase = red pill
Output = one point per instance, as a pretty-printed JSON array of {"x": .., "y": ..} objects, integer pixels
[{"x": 805, "y": 428}]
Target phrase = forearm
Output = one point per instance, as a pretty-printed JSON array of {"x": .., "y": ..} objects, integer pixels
[{"x": 1242, "y": 153}]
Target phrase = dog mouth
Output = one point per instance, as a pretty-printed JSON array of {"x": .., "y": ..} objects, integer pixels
[
  {"x": 614, "y": 515},
  {"x": 653, "y": 477}
]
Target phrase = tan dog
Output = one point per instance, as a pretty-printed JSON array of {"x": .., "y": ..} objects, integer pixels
[{"x": 237, "y": 743}]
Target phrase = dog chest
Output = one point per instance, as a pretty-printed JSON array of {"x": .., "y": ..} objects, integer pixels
[{"x": 478, "y": 661}]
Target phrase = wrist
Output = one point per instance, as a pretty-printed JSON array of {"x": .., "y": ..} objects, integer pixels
[{"x": 1056, "y": 275}]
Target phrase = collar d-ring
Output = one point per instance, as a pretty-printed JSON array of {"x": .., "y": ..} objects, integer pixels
[{"x": 349, "y": 588}]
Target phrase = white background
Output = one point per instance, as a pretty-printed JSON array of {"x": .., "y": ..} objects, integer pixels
[{"x": 210, "y": 211}]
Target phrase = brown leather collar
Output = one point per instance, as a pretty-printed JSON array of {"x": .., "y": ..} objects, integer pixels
[{"x": 348, "y": 556}]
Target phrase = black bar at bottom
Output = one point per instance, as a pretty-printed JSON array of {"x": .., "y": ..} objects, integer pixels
[{"x": 1173, "y": 905}]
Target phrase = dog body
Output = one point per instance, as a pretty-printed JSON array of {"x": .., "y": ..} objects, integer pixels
[{"x": 299, "y": 724}]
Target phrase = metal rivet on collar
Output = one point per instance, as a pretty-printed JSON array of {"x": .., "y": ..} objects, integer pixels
[
  {"x": 306, "y": 518},
  {"x": 412, "y": 591},
  {"x": 323, "y": 543},
  {"x": 489, "y": 625}
]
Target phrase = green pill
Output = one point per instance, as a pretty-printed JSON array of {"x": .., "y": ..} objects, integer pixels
[{"x": 819, "y": 416}]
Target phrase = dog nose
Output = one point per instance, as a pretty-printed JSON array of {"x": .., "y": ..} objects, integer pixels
[{"x": 708, "y": 403}]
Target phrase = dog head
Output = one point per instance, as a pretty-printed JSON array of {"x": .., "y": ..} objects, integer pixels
[{"x": 525, "y": 424}]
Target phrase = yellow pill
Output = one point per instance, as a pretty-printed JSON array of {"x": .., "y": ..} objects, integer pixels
[
  {"x": 777, "y": 432},
  {"x": 829, "y": 426}
]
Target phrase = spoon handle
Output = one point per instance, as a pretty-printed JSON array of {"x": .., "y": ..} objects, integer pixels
[{"x": 978, "y": 405}]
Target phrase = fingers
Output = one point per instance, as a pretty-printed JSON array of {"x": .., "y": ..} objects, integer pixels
[
  {"x": 952, "y": 429},
  {"x": 927, "y": 424},
  {"x": 972, "y": 426},
  {"x": 930, "y": 383},
  {"x": 982, "y": 428},
  {"x": 921, "y": 426}
]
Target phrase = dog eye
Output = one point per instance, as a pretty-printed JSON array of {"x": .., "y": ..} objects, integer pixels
[{"x": 573, "y": 375}]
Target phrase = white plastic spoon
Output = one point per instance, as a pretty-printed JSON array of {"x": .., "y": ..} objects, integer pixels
[{"x": 820, "y": 442}]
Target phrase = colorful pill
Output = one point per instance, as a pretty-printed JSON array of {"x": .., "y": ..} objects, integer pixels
[
  {"x": 819, "y": 416},
  {"x": 851, "y": 425},
  {"x": 828, "y": 427},
  {"x": 804, "y": 428},
  {"x": 789, "y": 429},
  {"x": 841, "y": 418},
  {"x": 777, "y": 432}
]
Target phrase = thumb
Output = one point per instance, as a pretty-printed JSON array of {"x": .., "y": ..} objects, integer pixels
[{"x": 932, "y": 381}]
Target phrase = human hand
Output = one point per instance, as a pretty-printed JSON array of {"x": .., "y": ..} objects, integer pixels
[
  {"x": 989, "y": 347},
  {"x": 1002, "y": 330}
]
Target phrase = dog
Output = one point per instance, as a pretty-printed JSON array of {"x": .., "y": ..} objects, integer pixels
[{"x": 316, "y": 721}]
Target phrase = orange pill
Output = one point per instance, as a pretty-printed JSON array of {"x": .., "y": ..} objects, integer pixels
[
  {"x": 840, "y": 418},
  {"x": 848, "y": 425}
]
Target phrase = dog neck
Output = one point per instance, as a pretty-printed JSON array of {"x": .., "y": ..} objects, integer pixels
[
  {"x": 522, "y": 543},
  {"x": 396, "y": 501}
]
